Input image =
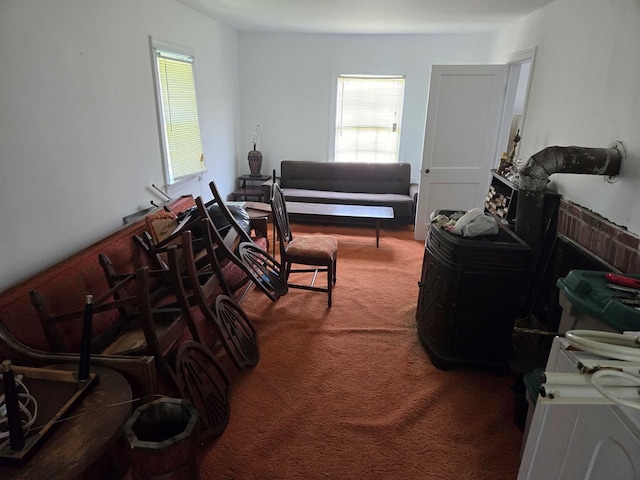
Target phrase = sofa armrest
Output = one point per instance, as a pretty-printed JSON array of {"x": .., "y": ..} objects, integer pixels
[
  {"x": 414, "y": 188},
  {"x": 413, "y": 191},
  {"x": 266, "y": 189}
]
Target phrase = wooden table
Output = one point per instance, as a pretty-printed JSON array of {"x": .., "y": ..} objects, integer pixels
[
  {"x": 244, "y": 192},
  {"x": 90, "y": 431},
  {"x": 330, "y": 211}
]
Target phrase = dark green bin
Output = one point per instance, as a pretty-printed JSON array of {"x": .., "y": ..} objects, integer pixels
[{"x": 588, "y": 291}]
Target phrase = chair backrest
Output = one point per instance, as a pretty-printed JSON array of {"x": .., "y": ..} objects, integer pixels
[
  {"x": 56, "y": 324},
  {"x": 189, "y": 286},
  {"x": 226, "y": 245},
  {"x": 166, "y": 230},
  {"x": 218, "y": 200},
  {"x": 206, "y": 385},
  {"x": 280, "y": 217},
  {"x": 237, "y": 335},
  {"x": 240, "y": 332},
  {"x": 260, "y": 267}
]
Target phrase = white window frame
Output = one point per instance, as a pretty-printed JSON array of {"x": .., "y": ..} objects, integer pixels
[
  {"x": 374, "y": 128},
  {"x": 176, "y": 170}
]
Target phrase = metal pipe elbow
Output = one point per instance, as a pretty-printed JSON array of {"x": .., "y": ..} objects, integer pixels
[{"x": 534, "y": 174}]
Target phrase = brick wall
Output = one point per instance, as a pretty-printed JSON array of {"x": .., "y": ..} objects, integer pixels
[{"x": 610, "y": 242}]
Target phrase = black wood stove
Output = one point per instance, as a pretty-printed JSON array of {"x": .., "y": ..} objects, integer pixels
[{"x": 470, "y": 291}]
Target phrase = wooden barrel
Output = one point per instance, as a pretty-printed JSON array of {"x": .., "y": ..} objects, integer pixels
[{"x": 163, "y": 436}]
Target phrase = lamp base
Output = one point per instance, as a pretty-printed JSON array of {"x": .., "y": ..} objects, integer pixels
[{"x": 255, "y": 162}]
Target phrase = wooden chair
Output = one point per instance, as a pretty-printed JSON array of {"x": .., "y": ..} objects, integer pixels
[
  {"x": 222, "y": 244},
  {"x": 199, "y": 376},
  {"x": 140, "y": 370},
  {"x": 238, "y": 247},
  {"x": 205, "y": 301},
  {"x": 318, "y": 251},
  {"x": 139, "y": 327},
  {"x": 166, "y": 229},
  {"x": 206, "y": 385},
  {"x": 193, "y": 289}
]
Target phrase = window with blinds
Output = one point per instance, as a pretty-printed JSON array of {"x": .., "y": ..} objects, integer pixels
[
  {"x": 178, "y": 111},
  {"x": 368, "y": 118}
]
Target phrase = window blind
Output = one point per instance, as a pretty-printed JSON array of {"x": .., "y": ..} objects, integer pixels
[
  {"x": 368, "y": 118},
  {"x": 182, "y": 141}
]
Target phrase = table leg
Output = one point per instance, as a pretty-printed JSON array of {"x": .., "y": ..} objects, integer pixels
[{"x": 377, "y": 232}]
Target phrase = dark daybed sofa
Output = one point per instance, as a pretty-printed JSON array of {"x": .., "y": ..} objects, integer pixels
[{"x": 383, "y": 184}]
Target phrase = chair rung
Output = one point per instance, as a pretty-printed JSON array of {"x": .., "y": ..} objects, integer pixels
[
  {"x": 307, "y": 270},
  {"x": 308, "y": 287}
]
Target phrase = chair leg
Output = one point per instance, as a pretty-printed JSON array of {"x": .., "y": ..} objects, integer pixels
[
  {"x": 330, "y": 279},
  {"x": 335, "y": 269},
  {"x": 288, "y": 272}
]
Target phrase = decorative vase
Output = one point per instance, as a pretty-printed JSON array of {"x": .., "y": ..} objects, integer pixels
[{"x": 255, "y": 162}]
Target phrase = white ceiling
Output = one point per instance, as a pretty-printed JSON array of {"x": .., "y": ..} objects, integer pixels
[{"x": 366, "y": 16}]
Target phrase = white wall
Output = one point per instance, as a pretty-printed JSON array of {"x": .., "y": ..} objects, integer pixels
[
  {"x": 288, "y": 87},
  {"x": 79, "y": 140},
  {"x": 585, "y": 91},
  {"x": 79, "y": 143}
]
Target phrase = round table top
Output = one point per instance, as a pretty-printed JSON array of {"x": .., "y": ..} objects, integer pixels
[{"x": 78, "y": 442}]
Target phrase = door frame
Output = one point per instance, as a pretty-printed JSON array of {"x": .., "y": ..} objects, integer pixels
[{"x": 514, "y": 61}]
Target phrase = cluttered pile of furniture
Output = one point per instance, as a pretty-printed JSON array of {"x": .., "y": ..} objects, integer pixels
[
  {"x": 154, "y": 308},
  {"x": 163, "y": 297}
]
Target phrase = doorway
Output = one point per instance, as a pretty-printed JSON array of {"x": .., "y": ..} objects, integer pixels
[
  {"x": 471, "y": 113},
  {"x": 520, "y": 71}
]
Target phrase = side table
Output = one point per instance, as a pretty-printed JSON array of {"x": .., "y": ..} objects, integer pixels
[
  {"x": 260, "y": 213},
  {"x": 250, "y": 187},
  {"x": 80, "y": 441}
]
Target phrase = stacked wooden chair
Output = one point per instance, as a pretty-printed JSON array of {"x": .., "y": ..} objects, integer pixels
[
  {"x": 204, "y": 305},
  {"x": 137, "y": 326},
  {"x": 157, "y": 327},
  {"x": 175, "y": 311},
  {"x": 182, "y": 307},
  {"x": 236, "y": 246},
  {"x": 223, "y": 245}
]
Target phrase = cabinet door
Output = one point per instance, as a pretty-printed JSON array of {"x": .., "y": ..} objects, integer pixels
[
  {"x": 581, "y": 441},
  {"x": 437, "y": 305},
  {"x": 593, "y": 442}
]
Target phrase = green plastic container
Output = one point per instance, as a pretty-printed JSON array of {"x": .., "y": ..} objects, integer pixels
[
  {"x": 588, "y": 291},
  {"x": 532, "y": 385}
]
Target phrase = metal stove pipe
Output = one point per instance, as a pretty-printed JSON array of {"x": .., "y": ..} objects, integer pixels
[{"x": 534, "y": 175}]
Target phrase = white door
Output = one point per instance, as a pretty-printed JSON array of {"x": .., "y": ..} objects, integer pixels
[{"x": 464, "y": 120}]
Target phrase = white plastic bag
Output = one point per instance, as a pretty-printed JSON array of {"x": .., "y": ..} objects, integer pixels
[{"x": 474, "y": 223}]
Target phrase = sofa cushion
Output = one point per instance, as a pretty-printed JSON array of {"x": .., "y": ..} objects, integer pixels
[{"x": 346, "y": 177}]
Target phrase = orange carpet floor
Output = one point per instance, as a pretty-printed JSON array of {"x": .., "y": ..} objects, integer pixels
[{"x": 348, "y": 392}]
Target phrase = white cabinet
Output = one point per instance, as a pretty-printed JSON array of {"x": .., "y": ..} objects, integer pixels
[{"x": 591, "y": 442}]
